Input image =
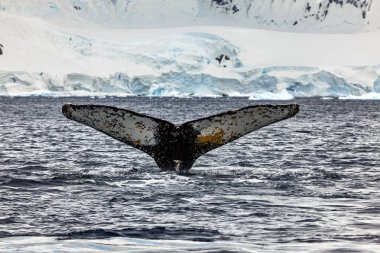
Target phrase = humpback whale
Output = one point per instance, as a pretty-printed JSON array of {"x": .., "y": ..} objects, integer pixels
[{"x": 174, "y": 147}]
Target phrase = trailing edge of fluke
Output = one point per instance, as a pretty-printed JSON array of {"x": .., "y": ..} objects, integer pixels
[{"x": 177, "y": 147}]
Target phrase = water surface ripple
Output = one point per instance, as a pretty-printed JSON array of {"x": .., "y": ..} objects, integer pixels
[{"x": 308, "y": 184}]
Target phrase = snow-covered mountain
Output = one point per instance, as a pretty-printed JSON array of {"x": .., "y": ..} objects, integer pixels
[
  {"x": 146, "y": 47},
  {"x": 286, "y": 15}
]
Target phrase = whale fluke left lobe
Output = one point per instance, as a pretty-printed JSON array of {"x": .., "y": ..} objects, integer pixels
[{"x": 136, "y": 130}]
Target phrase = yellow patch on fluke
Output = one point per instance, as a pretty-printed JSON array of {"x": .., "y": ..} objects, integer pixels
[{"x": 216, "y": 138}]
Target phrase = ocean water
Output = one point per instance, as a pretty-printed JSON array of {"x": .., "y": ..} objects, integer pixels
[{"x": 307, "y": 184}]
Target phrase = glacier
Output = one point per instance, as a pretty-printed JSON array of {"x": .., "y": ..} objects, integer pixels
[
  {"x": 280, "y": 83},
  {"x": 189, "y": 64}
]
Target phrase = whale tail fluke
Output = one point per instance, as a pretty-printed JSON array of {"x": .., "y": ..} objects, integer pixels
[
  {"x": 177, "y": 147},
  {"x": 218, "y": 130}
]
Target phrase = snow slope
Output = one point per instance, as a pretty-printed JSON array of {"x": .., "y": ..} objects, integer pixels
[
  {"x": 42, "y": 56},
  {"x": 330, "y": 16}
]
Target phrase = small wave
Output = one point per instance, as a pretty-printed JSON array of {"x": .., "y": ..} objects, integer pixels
[
  {"x": 163, "y": 233},
  {"x": 7, "y": 220},
  {"x": 341, "y": 195},
  {"x": 370, "y": 210},
  {"x": 343, "y": 250},
  {"x": 359, "y": 238},
  {"x": 4, "y": 234},
  {"x": 25, "y": 183},
  {"x": 328, "y": 174},
  {"x": 286, "y": 186},
  {"x": 33, "y": 167},
  {"x": 288, "y": 177}
]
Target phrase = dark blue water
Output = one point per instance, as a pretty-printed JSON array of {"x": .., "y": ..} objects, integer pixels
[{"x": 307, "y": 184}]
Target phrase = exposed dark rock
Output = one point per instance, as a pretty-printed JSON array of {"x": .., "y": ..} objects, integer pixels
[
  {"x": 220, "y": 58},
  {"x": 308, "y": 7},
  {"x": 235, "y": 9},
  {"x": 228, "y": 6}
]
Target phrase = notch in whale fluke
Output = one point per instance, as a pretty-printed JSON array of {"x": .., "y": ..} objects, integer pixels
[{"x": 177, "y": 147}]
